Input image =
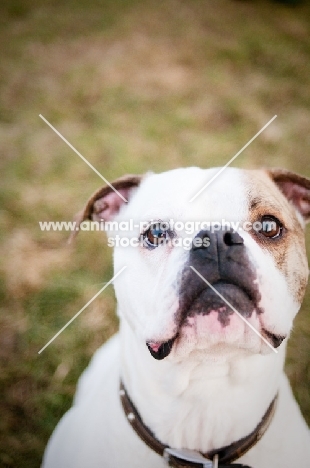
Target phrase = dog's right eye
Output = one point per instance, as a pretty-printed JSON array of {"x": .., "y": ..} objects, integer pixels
[
  {"x": 155, "y": 235},
  {"x": 271, "y": 227}
]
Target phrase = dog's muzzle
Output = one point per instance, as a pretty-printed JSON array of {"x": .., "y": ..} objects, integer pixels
[
  {"x": 223, "y": 261},
  {"x": 221, "y": 258}
]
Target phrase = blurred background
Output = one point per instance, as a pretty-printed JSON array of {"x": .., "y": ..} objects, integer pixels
[{"x": 134, "y": 86}]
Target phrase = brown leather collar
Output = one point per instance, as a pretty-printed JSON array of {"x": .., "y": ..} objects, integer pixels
[{"x": 184, "y": 458}]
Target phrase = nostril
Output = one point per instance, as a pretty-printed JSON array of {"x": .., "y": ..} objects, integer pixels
[
  {"x": 227, "y": 238},
  {"x": 232, "y": 238}
]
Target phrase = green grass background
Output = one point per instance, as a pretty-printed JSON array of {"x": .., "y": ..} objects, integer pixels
[{"x": 134, "y": 86}]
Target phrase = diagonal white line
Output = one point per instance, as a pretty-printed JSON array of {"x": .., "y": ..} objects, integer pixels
[
  {"x": 233, "y": 308},
  {"x": 82, "y": 157},
  {"x": 232, "y": 159},
  {"x": 83, "y": 308}
]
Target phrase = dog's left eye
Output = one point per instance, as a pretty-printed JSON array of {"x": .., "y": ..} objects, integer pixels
[
  {"x": 271, "y": 227},
  {"x": 155, "y": 235}
]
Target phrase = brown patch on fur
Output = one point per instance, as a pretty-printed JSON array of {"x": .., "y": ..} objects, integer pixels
[{"x": 288, "y": 250}]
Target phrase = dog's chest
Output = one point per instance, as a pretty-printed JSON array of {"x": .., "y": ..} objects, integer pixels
[{"x": 112, "y": 442}]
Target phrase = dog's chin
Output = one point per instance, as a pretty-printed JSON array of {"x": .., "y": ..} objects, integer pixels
[{"x": 211, "y": 327}]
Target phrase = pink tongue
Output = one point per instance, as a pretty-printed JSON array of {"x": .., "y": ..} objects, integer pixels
[{"x": 155, "y": 346}]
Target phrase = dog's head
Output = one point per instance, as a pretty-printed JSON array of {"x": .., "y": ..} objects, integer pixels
[{"x": 203, "y": 272}]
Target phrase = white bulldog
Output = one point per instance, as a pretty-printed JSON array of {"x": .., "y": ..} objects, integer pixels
[{"x": 203, "y": 328}]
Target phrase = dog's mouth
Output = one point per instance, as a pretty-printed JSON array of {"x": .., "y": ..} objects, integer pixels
[
  {"x": 274, "y": 339},
  {"x": 208, "y": 302},
  {"x": 160, "y": 350}
]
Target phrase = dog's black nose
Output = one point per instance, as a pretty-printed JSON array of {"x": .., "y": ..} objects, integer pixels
[
  {"x": 221, "y": 256},
  {"x": 215, "y": 245},
  {"x": 204, "y": 239}
]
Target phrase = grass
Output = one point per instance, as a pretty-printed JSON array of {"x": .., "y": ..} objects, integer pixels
[{"x": 134, "y": 86}]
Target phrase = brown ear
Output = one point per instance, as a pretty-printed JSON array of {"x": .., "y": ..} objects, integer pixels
[
  {"x": 107, "y": 201},
  {"x": 295, "y": 187}
]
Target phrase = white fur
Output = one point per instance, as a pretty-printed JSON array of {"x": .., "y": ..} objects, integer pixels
[{"x": 213, "y": 388}]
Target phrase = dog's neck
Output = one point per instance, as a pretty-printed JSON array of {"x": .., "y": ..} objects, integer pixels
[{"x": 212, "y": 403}]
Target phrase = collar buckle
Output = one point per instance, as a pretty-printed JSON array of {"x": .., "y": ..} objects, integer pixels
[{"x": 188, "y": 456}]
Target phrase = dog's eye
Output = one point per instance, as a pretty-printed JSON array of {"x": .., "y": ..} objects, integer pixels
[
  {"x": 155, "y": 235},
  {"x": 270, "y": 227}
]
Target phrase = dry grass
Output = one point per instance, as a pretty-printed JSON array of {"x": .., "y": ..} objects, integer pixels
[{"x": 135, "y": 86}]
